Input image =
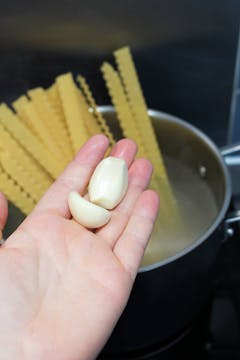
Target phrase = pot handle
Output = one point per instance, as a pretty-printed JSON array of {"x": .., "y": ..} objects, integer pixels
[
  {"x": 231, "y": 154},
  {"x": 230, "y": 224}
]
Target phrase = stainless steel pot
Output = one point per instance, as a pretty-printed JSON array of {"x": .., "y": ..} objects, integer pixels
[{"x": 168, "y": 295}]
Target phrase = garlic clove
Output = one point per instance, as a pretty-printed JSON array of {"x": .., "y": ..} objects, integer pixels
[
  {"x": 109, "y": 182},
  {"x": 87, "y": 214}
]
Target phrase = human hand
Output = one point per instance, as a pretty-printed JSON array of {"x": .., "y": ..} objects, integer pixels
[
  {"x": 63, "y": 287},
  {"x": 3, "y": 213}
]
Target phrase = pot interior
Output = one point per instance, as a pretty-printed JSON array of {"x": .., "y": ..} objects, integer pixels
[{"x": 198, "y": 177}]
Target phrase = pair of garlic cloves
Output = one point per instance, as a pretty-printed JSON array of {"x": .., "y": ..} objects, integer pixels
[{"x": 106, "y": 189}]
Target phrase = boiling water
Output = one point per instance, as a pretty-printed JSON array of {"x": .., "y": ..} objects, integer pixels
[{"x": 197, "y": 207}]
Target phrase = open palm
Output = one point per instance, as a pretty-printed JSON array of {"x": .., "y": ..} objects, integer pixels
[{"x": 63, "y": 287}]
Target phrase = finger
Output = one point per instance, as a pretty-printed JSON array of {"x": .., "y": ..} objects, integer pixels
[
  {"x": 3, "y": 212},
  {"x": 75, "y": 176},
  {"x": 139, "y": 177},
  {"x": 125, "y": 149},
  {"x": 131, "y": 245}
]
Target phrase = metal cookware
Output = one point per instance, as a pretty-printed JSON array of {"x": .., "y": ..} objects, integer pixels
[{"x": 169, "y": 294}]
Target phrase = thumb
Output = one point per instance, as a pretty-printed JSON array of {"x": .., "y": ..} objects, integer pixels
[{"x": 3, "y": 212}]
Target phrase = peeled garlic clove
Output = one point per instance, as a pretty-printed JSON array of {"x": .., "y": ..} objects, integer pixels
[
  {"x": 109, "y": 182},
  {"x": 87, "y": 214}
]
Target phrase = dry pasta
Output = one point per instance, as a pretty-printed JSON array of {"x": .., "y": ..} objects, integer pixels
[
  {"x": 73, "y": 113},
  {"x": 51, "y": 122},
  {"x": 49, "y": 126},
  {"x": 27, "y": 140},
  {"x": 99, "y": 119}
]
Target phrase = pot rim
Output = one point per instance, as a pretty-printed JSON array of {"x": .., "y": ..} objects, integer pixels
[{"x": 221, "y": 214}]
